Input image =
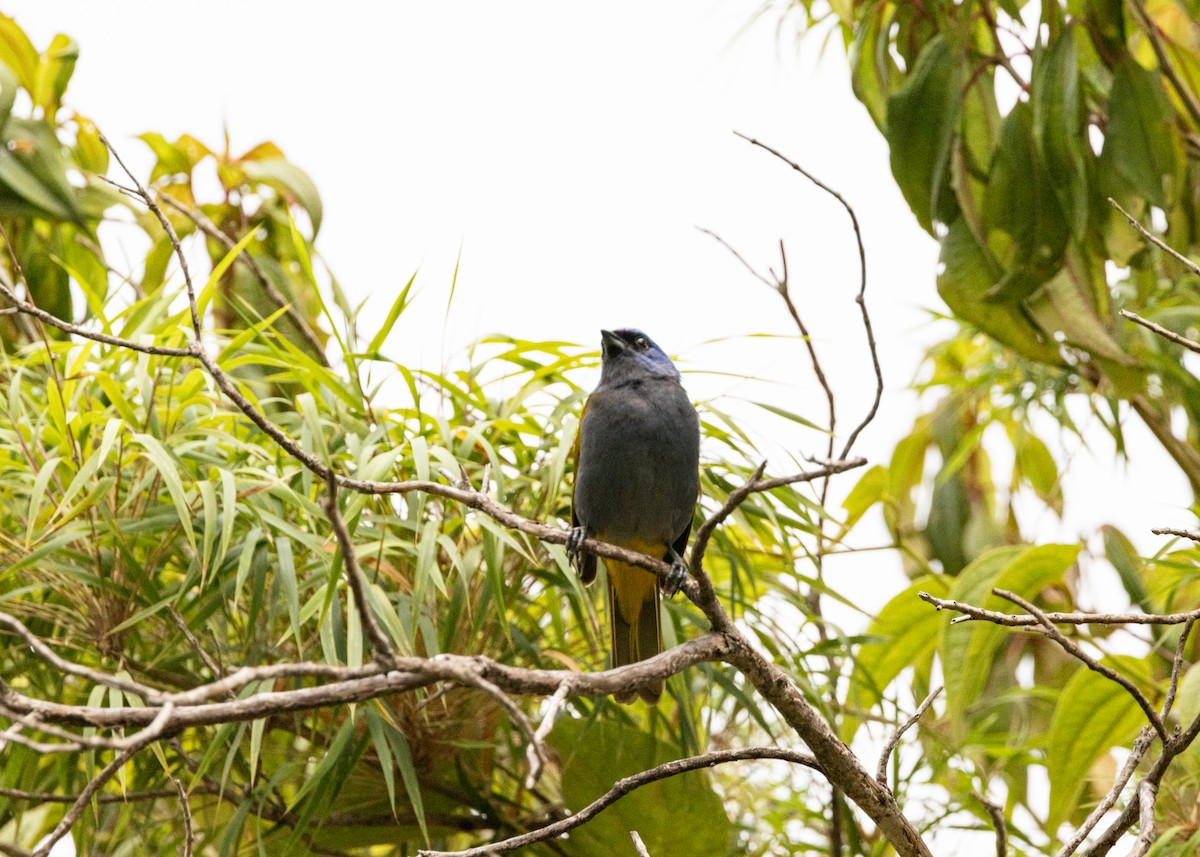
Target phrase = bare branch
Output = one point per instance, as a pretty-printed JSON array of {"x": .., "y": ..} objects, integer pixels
[
  {"x": 862, "y": 289},
  {"x": 881, "y": 770},
  {"x": 1176, "y": 668},
  {"x": 1091, "y": 663},
  {"x": 167, "y": 228},
  {"x": 1189, "y": 344},
  {"x": 1147, "y": 795},
  {"x": 1171, "y": 531},
  {"x": 43, "y": 651},
  {"x": 276, "y": 297},
  {"x": 26, "y": 308},
  {"x": 369, "y": 682},
  {"x": 1011, "y": 620},
  {"x": 1140, "y": 746},
  {"x": 135, "y": 744},
  {"x": 381, "y": 646},
  {"x": 534, "y": 753},
  {"x": 996, "y": 814},
  {"x": 189, "y": 835},
  {"x": 638, "y": 844},
  {"x": 1154, "y": 239},
  {"x": 625, "y": 786}
]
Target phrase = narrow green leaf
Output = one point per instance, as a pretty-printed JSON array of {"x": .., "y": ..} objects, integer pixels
[
  {"x": 287, "y": 579},
  {"x": 398, "y": 307},
  {"x": 408, "y": 773},
  {"x": 166, "y": 467}
]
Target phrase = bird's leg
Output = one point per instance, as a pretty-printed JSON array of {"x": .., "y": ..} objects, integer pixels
[
  {"x": 673, "y": 582},
  {"x": 575, "y": 538}
]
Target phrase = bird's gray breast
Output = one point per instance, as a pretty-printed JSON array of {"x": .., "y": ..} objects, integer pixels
[{"x": 638, "y": 467}]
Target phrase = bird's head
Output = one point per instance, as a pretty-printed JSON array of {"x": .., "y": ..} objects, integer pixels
[{"x": 629, "y": 355}]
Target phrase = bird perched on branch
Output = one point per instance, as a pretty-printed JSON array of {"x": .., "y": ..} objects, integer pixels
[{"x": 637, "y": 463}]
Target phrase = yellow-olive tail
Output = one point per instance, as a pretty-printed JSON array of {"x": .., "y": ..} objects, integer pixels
[{"x": 634, "y": 623}]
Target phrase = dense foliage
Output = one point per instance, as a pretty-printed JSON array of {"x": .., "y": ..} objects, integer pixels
[{"x": 1010, "y": 126}]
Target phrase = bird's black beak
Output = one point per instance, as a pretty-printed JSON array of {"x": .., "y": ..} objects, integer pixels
[{"x": 610, "y": 343}]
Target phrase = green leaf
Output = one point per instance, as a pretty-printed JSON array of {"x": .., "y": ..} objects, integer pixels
[
  {"x": 18, "y": 53},
  {"x": 54, "y": 71},
  {"x": 1093, "y": 715},
  {"x": 218, "y": 271},
  {"x": 1037, "y": 467},
  {"x": 398, "y": 306},
  {"x": 1141, "y": 142},
  {"x": 1065, "y": 307},
  {"x": 869, "y": 491},
  {"x": 287, "y": 579},
  {"x": 1023, "y": 224},
  {"x": 166, "y": 467},
  {"x": 921, "y": 117},
  {"x": 32, "y": 169},
  {"x": 1187, "y": 698},
  {"x": 38, "y": 493},
  {"x": 382, "y": 749},
  {"x": 408, "y": 773},
  {"x": 969, "y": 649},
  {"x": 965, "y": 283},
  {"x": 290, "y": 180},
  {"x": 1058, "y": 127},
  {"x": 1125, "y": 559},
  {"x": 596, "y": 753}
]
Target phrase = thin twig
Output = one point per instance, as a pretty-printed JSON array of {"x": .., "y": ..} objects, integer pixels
[
  {"x": 862, "y": 288},
  {"x": 623, "y": 787},
  {"x": 277, "y": 297},
  {"x": 1177, "y": 668},
  {"x": 881, "y": 771},
  {"x": 1155, "y": 240},
  {"x": 381, "y": 646},
  {"x": 534, "y": 754},
  {"x": 189, "y": 835},
  {"x": 47, "y": 654},
  {"x": 638, "y": 844},
  {"x": 971, "y": 612},
  {"x": 167, "y": 228},
  {"x": 996, "y": 814},
  {"x": 1075, "y": 651},
  {"x": 1170, "y": 335},
  {"x": 143, "y": 739},
  {"x": 1140, "y": 745},
  {"x": 1171, "y": 531},
  {"x": 1147, "y": 795},
  {"x": 1150, "y": 28}
]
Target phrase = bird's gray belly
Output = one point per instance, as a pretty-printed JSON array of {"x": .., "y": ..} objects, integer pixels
[{"x": 638, "y": 463}]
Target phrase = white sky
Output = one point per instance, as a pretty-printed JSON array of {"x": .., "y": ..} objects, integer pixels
[{"x": 570, "y": 149}]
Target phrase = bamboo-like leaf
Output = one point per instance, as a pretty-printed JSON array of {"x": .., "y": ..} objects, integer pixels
[
  {"x": 287, "y": 579},
  {"x": 170, "y": 475}
]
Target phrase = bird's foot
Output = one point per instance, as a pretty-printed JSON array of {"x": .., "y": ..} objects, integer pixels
[
  {"x": 575, "y": 538},
  {"x": 673, "y": 582}
]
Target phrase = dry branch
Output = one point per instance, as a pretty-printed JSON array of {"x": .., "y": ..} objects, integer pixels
[{"x": 623, "y": 787}]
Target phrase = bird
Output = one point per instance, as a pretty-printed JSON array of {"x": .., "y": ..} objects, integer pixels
[{"x": 637, "y": 480}]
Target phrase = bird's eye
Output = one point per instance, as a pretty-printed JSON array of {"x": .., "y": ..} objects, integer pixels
[{"x": 642, "y": 343}]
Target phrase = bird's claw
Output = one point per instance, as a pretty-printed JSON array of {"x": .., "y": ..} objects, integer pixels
[
  {"x": 575, "y": 539},
  {"x": 675, "y": 577}
]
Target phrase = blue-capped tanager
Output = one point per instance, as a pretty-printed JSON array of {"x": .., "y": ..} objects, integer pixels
[{"x": 637, "y": 477}]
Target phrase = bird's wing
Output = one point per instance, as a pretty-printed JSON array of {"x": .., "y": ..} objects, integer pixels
[{"x": 585, "y": 563}]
